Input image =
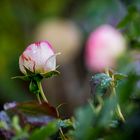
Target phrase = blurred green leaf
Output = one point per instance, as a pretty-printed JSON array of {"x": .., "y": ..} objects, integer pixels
[
  {"x": 132, "y": 11},
  {"x": 119, "y": 76},
  {"x": 105, "y": 116},
  {"x": 126, "y": 88},
  {"x": 44, "y": 132},
  {"x": 85, "y": 117},
  {"x": 131, "y": 24},
  {"x": 15, "y": 124}
]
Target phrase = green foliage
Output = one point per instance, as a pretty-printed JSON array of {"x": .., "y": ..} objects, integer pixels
[
  {"x": 83, "y": 124},
  {"x": 92, "y": 121},
  {"x": 97, "y": 121},
  {"x": 32, "y": 120},
  {"x": 44, "y": 132},
  {"x": 130, "y": 17},
  {"x": 131, "y": 24}
]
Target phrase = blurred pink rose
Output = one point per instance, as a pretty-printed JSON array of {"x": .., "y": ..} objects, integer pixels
[
  {"x": 104, "y": 46},
  {"x": 38, "y": 58}
]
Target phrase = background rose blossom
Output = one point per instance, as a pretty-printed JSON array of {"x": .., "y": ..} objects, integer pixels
[
  {"x": 104, "y": 45},
  {"x": 64, "y": 35}
]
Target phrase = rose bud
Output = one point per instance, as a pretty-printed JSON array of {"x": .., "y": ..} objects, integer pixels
[
  {"x": 104, "y": 46},
  {"x": 38, "y": 57}
]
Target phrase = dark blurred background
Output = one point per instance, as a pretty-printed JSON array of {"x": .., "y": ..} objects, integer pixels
[{"x": 66, "y": 24}]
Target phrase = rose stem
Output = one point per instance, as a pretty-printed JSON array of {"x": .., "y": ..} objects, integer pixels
[
  {"x": 41, "y": 92},
  {"x": 62, "y": 134},
  {"x": 38, "y": 98},
  {"x": 118, "y": 109}
]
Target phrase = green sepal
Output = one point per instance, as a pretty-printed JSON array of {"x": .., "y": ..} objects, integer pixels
[
  {"x": 65, "y": 123},
  {"x": 50, "y": 74},
  {"x": 28, "y": 71},
  {"x": 119, "y": 76},
  {"x": 33, "y": 87},
  {"x": 25, "y": 78},
  {"x": 44, "y": 132},
  {"x": 37, "y": 77}
]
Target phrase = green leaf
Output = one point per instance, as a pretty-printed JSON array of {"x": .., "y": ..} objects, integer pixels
[
  {"x": 132, "y": 11},
  {"x": 50, "y": 74},
  {"x": 124, "y": 22},
  {"x": 119, "y": 76},
  {"x": 44, "y": 132},
  {"x": 15, "y": 124},
  {"x": 105, "y": 115},
  {"x": 85, "y": 117},
  {"x": 26, "y": 77}
]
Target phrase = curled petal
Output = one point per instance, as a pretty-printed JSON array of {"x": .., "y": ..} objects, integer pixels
[
  {"x": 21, "y": 65},
  {"x": 50, "y": 64}
]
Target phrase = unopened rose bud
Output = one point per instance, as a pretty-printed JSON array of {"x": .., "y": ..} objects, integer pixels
[
  {"x": 38, "y": 57},
  {"x": 104, "y": 46}
]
